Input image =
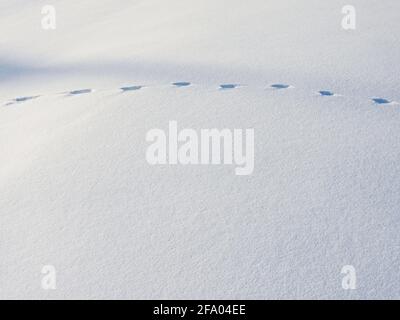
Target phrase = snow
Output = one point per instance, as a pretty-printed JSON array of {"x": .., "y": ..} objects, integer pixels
[{"x": 76, "y": 189}]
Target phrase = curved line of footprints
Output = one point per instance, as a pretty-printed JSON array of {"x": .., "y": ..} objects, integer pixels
[{"x": 226, "y": 86}]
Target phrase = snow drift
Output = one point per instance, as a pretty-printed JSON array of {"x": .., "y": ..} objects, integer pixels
[{"x": 78, "y": 194}]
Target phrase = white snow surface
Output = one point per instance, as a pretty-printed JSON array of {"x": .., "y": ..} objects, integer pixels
[{"x": 76, "y": 191}]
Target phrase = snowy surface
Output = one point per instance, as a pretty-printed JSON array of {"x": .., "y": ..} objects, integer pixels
[{"x": 76, "y": 191}]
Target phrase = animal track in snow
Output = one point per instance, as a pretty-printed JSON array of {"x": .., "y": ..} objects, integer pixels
[
  {"x": 228, "y": 86},
  {"x": 326, "y": 93},
  {"x": 380, "y": 101},
  {"x": 225, "y": 86},
  {"x": 181, "y": 84},
  {"x": 82, "y": 91},
  {"x": 21, "y": 99},
  {"x": 131, "y": 88},
  {"x": 280, "y": 86}
]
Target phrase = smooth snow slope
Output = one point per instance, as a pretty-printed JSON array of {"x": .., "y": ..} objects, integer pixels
[{"x": 77, "y": 193}]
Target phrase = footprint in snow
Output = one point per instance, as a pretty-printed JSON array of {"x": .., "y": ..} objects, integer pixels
[
  {"x": 131, "y": 88},
  {"x": 228, "y": 86},
  {"x": 326, "y": 93},
  {"x": 280, "y": 86},
  {"x": 77, "y": 92},
  {"x": 181, "y": 84},
  {"x": 21, "y": 99},
  {"x": 380, "y": 101}
]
